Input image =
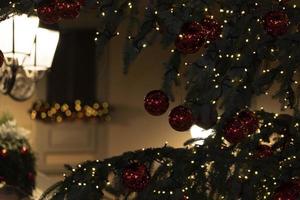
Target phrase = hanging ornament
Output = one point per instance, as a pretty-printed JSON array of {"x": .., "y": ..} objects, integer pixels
[
  {"x": 24, "y": 150},
  {"x": 3, "y": 153},
  {"x": 284, "y": 1},
  {"x": 249, "y": 120},
  {"x": 136, "y": 176},
  {"x": 68, "y": 9},
  {"x": 210, "y": 29},
  {"x": 235, "y": 131},
  {"x": 264, "y": 151},
  {"x": 241, "y": 126},
  {"x": 82, "y": 2},
  {"x": 31, "y": 176},
  {"x": 48, "y": 13},
  {"x": 288, "y": 191},
  {"x": 276, "y": 23},
  {"x": 156, "y": 102},
  {"x": 1, "y": 58},
  {"x": 181, "y": 118},
  {"x": 190, "y": 39}
]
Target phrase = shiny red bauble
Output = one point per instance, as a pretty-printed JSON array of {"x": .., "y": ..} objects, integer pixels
[
  {"x": 190, "y": 40},
  {"x": 82, "y": 2},
  {"x": 31, "y": 176},
  {"x": 241, "y": 126},
  {"x": 3, "y": 153},
  {"x": 156, "y": 102},
  {"x": 276, "y": 23},
  {"x": 68, "y": 9},
  {"x": 235, "y": 131},
  {"x": 24, "y": 150},
  {"x": 249, "y": 120},
  {"x": 48, "y": 13},
  {"x": 288, "y": 191},
  {"x": 1, "y": 58},
  {"x": 136, "y": 176},
  {"x": 181, "y": 118},
  {"x": 210, "y": 29},
  {"x": 264, "y": 151}
]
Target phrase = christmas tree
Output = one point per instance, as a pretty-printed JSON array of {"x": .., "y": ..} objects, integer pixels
[
  {"x": 17, "y": 162},
  {"x": 242, "y": 48}
]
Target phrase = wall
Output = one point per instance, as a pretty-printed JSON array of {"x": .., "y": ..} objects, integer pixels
[{"x": 132, "y": 128}]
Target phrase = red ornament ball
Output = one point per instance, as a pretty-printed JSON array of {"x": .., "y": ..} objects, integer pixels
[
  {"x": 264, "y": 151},
  {"x": 276, "y": 23},
  {"x": 31, "y": 176},
  {"x": 288, "y": 191},
  {"x": 284, "y": 1},
  {"x": 3, "y": 152},
  {"x": 190, "y": 39},
  {"x": 24, "y": 150},
  {"x": 156, "y": 102},
  {"x": 1, "y": 58},
  {"x": 48, "y": 13},
  {"x": 249, "y": 120},
  {"x": 136, "y": 176},
  {"x": 68, "y": 9},
  {"x": 235, "y": 131},
  {"x": 82, "y": 2},
  {"x": 185, "y": 197},
  {"x": 240, "y": 126},
  {"x": 210, "y": 29},
  {"x": 181, "y": 118}
]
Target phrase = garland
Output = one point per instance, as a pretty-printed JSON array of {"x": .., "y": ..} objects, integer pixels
[{"x": 56, "y": 112}]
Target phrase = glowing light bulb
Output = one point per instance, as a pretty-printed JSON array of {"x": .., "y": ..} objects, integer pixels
[{"x": 200, "y": 133}]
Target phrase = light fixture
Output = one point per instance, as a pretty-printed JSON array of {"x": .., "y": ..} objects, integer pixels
[
  {"x": 17, "y": 37},
  {"x": 199, "y": 133},
  {"x": 42, "y": 53},
  {"x": 28, "y": 52}
]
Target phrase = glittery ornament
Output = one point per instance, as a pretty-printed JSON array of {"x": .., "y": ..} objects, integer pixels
[
  {"x": 136, "y": 176},
  {"x": 82, "y": 2},
  {"x": 156, "y": 102},
  {"x": 68, "y": 9},
  {"x": 288, "y": 191},
  {"x": 276, "y": 23},
  {"x": 24, "y": 150},
  {"x": 48, "y": 13},
  {"x": 190, "y": 39},
  {"x": 181, "y": 118},
  {"x": 31, "y": 176},
  {"x": 284, "y": 1},
  {"x": 264, "y": 151},
  {"x": 249, "y": 120},
  {"x": 241, "y": 126},
  {"x": 1, "y": 58},
  {"x": 3, "y": 153},
  {"x": 210, "y": 29},
  {"x": 235, "y": 131}
]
